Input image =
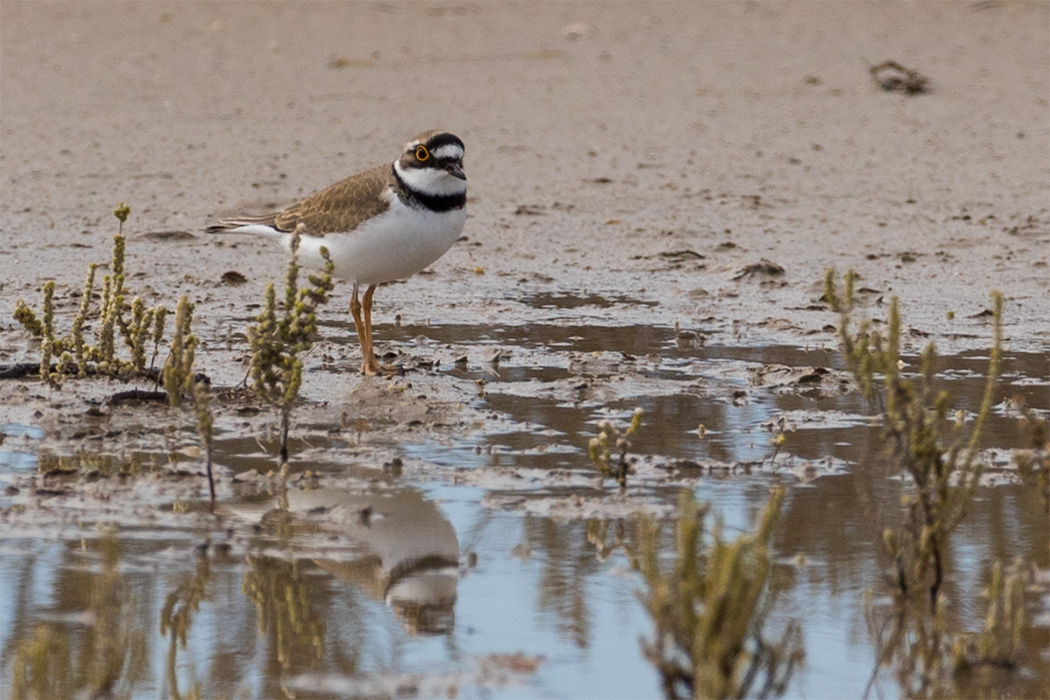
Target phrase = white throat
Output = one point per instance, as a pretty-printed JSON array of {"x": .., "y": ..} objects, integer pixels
[{"x": 432, "y": 181}]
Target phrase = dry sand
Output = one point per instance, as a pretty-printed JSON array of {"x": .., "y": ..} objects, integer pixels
[{"x": 649, "y": 151}]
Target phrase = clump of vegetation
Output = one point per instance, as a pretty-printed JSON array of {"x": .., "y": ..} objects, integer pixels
[
  {"x": 929, "y": 661},
  {"x": 114, "y": 320},
  {"x": 205, "y": 425},
  {"x": 944, "y": 470},
  {"x": 280, "y": 338},
  {"x": 1034, "y": 464},
  {"x": 778, "y": 428},
  {"x": 610, "y": 438},
  {"x": 179, "y": 376},
  {"x": 136, "y": 325},
  {"x": 999, "y": 642},
  {"x": 710, "y": 608}
]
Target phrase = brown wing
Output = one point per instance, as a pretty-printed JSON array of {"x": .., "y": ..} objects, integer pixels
[
  {"x": 338, "y": 208},
  {"x": 341, "y": 207}
]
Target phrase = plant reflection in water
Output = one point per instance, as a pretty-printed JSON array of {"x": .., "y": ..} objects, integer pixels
[{"x": 104, "y": 656}]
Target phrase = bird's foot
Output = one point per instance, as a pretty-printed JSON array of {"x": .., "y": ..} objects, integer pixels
[{"x": 374, "y": 369}]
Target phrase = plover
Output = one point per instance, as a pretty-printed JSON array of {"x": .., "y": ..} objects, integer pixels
[{"x": 380, "y": 225}]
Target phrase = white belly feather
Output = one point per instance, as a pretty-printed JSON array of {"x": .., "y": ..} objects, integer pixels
[{"x": 399, "y": 243}]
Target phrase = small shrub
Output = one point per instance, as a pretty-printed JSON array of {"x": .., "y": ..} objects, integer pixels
[
  {"x": 1034, "y": 464},
  {"x": 710, "y": 608},
  {"x": 929, "y": 660},
  {"x": 178, "y": 375},
  {"x": 610, "y": 438},
  {"x": 279, "y": 338},
  {"x": 115, "y": 317},
  {"x": 943, "y": 468},
  {"x": 999, "y": 642}
]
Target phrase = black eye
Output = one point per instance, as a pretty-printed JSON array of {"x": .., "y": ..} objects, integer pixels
[{"x": 422, "y": 153}]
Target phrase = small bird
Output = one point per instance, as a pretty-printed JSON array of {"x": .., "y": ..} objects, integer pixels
[{"x": 380, "y": 225}]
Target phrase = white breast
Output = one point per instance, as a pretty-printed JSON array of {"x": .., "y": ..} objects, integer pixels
[{"x": 398, "y": 243}]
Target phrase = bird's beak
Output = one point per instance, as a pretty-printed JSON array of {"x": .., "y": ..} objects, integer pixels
[{"x": 455, "y": 170}]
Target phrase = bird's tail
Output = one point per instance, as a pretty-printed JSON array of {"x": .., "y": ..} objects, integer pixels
[{"x": 241, "y": 221}]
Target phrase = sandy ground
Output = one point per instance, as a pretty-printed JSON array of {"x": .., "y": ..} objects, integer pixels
[{"x": 646, "y": 151}]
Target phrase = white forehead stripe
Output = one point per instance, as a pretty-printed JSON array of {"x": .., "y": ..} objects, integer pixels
[{"x": 449, "y": 150}]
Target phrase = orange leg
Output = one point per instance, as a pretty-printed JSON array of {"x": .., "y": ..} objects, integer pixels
[
  {"x": 370, "y": 366},
  {"x": 363, "y": 326}
]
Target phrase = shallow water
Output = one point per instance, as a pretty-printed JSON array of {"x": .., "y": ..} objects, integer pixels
[{"x": 476, "y": 578}]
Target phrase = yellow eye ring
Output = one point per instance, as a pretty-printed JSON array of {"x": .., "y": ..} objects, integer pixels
[{"x": 422, "y": 153}]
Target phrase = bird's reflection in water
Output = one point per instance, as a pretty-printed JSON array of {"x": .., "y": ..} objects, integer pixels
[{"x": 409, "y": 553}]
